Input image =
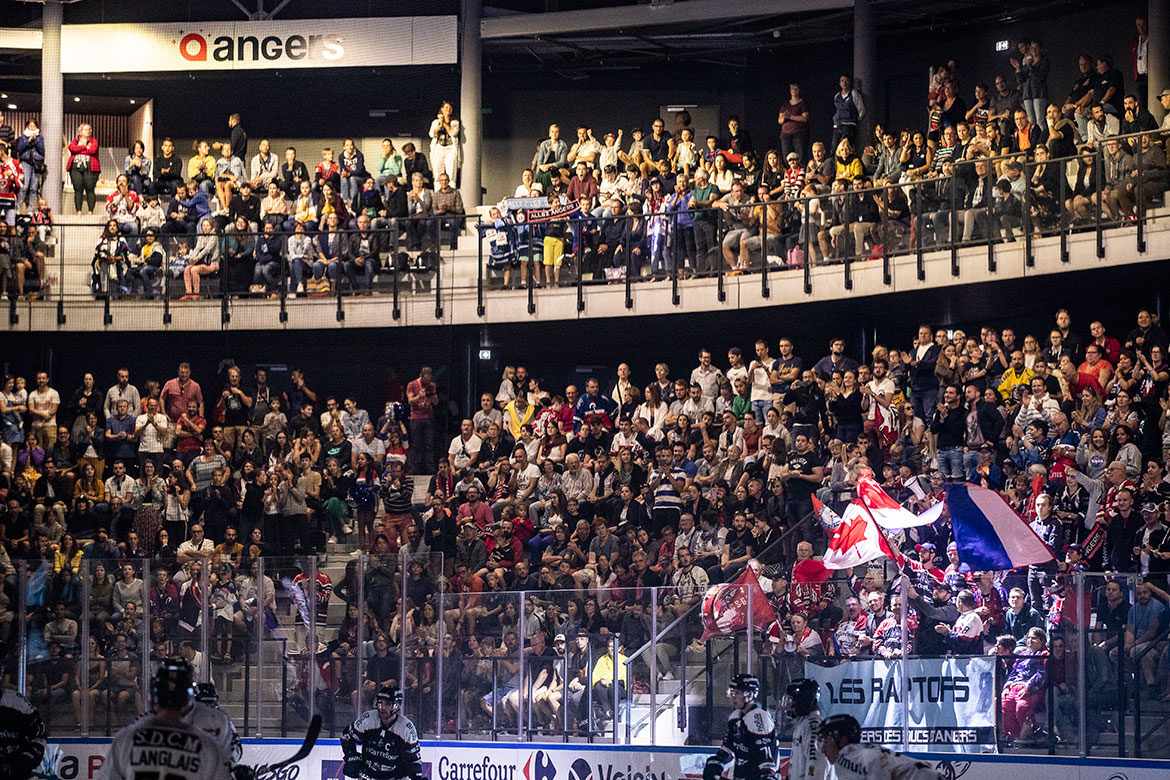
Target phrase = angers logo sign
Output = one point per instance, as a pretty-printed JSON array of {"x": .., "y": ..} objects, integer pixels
[
  {"x": 194, "y": 47},
  {"x": 302, "y": 43}
]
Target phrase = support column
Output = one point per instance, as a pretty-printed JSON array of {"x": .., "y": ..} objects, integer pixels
[
  {"x": 865, "y": 66},
  {"x": 1158, "y": 52},
  {"x": 52, "y": 103},
  {"x": 471, "y": 103}
]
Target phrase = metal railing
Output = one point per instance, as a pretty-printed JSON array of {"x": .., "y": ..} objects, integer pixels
[{"x": 872, "y": 224}]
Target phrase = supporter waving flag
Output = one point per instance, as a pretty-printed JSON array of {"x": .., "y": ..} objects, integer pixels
[
  {"x": 989, "y": 534},
  {"x": 856, "y": 538},
  {"x": 888, "y": 513}
]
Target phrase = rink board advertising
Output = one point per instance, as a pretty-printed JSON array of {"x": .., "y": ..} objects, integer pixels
[
  {"x": 82, "y": 760},
  {"x": 951, "y": 701}
]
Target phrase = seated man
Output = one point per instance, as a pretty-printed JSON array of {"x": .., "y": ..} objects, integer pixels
[
  {"x": 269, "y": 253},
  {"x": 362, "y": 258},
  {"x": 739, "y": 219}
]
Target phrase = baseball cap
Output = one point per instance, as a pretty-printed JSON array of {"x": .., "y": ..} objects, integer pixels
[
  {"x": 1149, "y": 506},
  {"x": 1164, "y": 93},
  {"x": 1074, "y": 547},
  {"x": 924, "y": 546},
  {"x": 952, "y": 546}
]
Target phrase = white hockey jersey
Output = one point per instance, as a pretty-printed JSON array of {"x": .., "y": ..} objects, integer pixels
[
  {"x": 806, "y": 761},
  {"x": 865, "y": 762},
  {"x": 215, "y": 721},
  {"x": 154, "y": 748}
]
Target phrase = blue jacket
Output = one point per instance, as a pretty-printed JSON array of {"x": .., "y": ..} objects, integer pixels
[
  {"x": 198, "y": 204},
  {"x": 31, "y": 151}
]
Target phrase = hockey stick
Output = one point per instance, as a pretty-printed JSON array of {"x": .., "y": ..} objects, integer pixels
[{"x": 302, "y": 752}]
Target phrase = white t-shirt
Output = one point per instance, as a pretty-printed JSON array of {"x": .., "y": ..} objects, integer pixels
[
  {"x": 762, "y": 382},
  {"x": 526, "y": 477},
  {"x": 461, "y": 451},
  {"x": 41, "y": 401}
]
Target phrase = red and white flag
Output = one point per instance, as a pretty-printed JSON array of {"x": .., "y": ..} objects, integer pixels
[
  {"x": 888, "y": 513},
  {"x": 725, "y": 606},
  {"x": 857, "y": 540}
]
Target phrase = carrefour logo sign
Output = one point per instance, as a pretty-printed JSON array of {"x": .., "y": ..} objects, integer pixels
[
  {"x": 304, "y": 43},
  {"x": 194, "y": 47}
]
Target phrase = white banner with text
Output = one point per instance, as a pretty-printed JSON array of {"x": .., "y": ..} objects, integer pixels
[
  {"x": 951, "y": 705},
  {"x": 298, "y": 43}
]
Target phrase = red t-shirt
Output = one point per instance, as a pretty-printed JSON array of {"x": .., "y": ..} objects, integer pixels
[{"x": 420, "y": 407}]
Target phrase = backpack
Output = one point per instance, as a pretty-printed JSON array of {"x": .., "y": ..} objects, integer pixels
[{"x": 796, "y": 257}]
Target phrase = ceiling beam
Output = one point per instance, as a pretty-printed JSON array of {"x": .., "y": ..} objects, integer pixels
[{"x": 627, "y": 17}]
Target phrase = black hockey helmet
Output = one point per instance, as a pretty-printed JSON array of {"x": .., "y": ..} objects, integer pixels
[
  {"x": 841, "y": 725},
  {"x": 173, "y": 685},
  {"x": 206, "y": 693},
  {"x": 389, "y": 693},
  {"x": 800, "y": 697},
  {"x": 747, "y": 684}
]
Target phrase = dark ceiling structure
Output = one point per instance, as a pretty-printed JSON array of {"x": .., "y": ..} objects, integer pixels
[{"x": 711, "y": 41}]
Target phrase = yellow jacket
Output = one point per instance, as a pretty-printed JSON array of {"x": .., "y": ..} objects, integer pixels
[{"x": 603, "y": 669}]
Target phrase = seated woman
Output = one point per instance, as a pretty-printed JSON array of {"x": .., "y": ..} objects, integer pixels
[
  {"x": 137, "y": 168},
  {"x": 201, "y": 167},
  {"x": 1023, "y": 690},
  {"x": 274, "y": 207},
  {"x": 332, "y": 203},
  {"x": 204, "y": 260},
  {"x": 301, "y": 254},
  {"x": 239, "y": 253},
  {"x": 331, "y": 249},
  {"x": 304, "y": 209},
  {"x": 229, "y": 170}
]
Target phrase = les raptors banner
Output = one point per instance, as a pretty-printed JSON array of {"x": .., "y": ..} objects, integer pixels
[
  {"x": 951, "y": 701},
  {"x": 298, "y": 43}
]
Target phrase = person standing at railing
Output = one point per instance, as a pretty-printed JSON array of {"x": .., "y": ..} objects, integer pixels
[{"x": 1032, "y": 75}]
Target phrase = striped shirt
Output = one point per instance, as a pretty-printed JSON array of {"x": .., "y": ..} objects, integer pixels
[{"x": 665, "y": 496}]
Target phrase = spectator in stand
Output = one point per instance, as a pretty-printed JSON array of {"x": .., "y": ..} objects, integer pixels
[
  {"x": 389, "y": 164},
  {"x": 201, "y": 167},
  {"x": 422, "y": 395},
  {"x": 122, "y": 206},
  {"x": 84, "y": 167},
  {"x": 352, "y": 165},
  {"x": 415, "y": 162},
  {"x": 30, "y": 153},
  {"x": 1032, "y": 75},
  {"x": 292, "y": 173},
  {"x": 264, "y": 168},
  {"x": 169, "y": 173},
  {"x": 446, "y": 138}
]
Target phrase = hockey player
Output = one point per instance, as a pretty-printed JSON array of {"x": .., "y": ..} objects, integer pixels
[
  {"x": 841, "y": 744},
  {"x": 22, "y": 736},
  {"x": 206, "y": 714},
  {"x": 382, "y": 744},
  {"x": 749, "y": 749},
  {"x": 800, "y": 705},
  {"x": 159, "y": 742}
]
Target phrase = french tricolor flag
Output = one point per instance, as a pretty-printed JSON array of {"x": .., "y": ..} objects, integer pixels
[{"x": 989, "y": 533}]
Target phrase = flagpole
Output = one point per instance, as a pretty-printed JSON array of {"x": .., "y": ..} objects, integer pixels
[
  {"x": 905, "y": 663},
  {"x": 750, "y": 626}
]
